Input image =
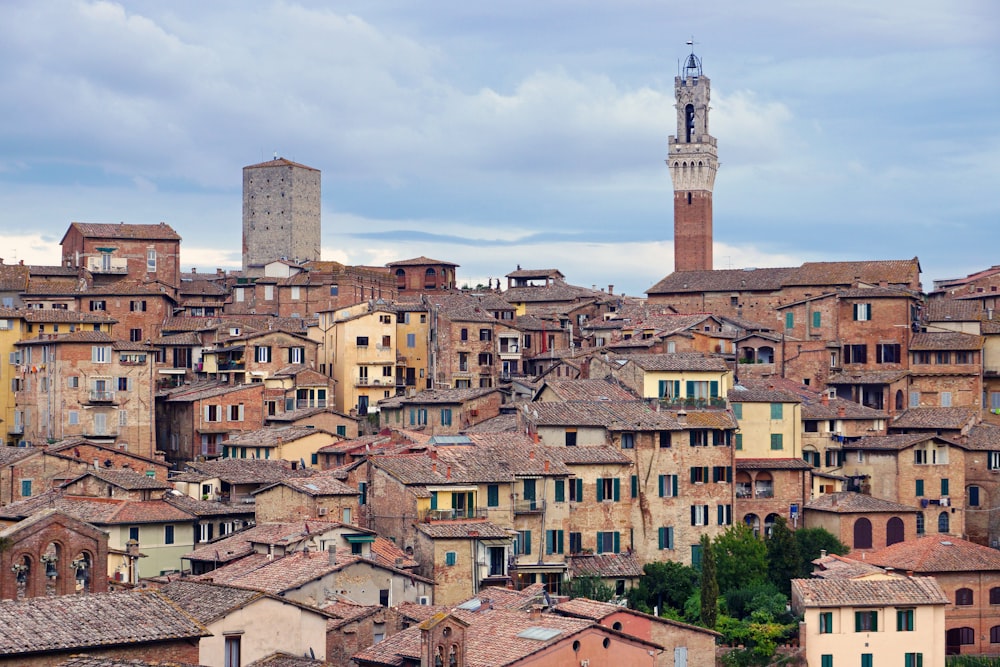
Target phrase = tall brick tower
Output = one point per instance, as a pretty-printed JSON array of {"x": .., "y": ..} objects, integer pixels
[
  {"x": 693, "y": 161},
  {"x": 281, "y": 213}
]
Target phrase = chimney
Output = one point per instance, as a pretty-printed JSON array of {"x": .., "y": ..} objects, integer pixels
[
  {"x": 825, "y": 398},
  {"x": 531, "y": 454},
  {"x": 909, "y": 573},
  {"x": 447, "y": 473},
  {"x": 434, "y": 467},
  {"x": 434, "y": 454},
  {"x": 611, "y": 289},
  {"x": 682, "y": 417},
  {"x": 536, "y": 612},
  {"x": 545, "y": 466},
  {"x": 822, "y": 553},
  {"x": 332, "y": 553},
  {"x": 841, "y": 411}
]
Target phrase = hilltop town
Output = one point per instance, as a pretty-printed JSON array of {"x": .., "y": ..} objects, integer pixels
[{"x": 307, "y": 463}]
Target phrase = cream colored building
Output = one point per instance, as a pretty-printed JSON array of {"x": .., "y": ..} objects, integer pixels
[
  {"x": 878, "y": 619},
  {"x": 684, "y": 379},
  {"x": 358, "y": 348},
  {"x": 770, "y": 422}
]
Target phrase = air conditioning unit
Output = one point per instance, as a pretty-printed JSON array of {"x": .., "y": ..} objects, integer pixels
[
  {"x": 322, "y": 511},
  {"x": 424, "y": 599}
]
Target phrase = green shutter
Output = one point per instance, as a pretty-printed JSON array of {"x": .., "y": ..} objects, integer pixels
[
  {"x": 738, "y": 410},
  {"x": 434, "y": 500},
  {"x": 634, "y": 481},
  {"x": 663, "y": 486},
  {"x": 674, "y": 482},
  {"x": 618, "y": 489},
  {"x": 826, "y": 660},
  {"x": 866, "y": 660},
  {"x": 579, "y": 489},
  {"x": 559, "y": 541},
  {"x": 776, "y": 441},
  {"x": 689, "y": 389},
  {"x": 776, "y": 410},
  {"x": 617, "y": 540},
  {"x": 600, "y": 489},
  {"x": 493, "y": 495},
  {"x": 527, "y": 541},
  {"x": 451, "y": 558},
  {"x": 560, "y": 491},
  {"x": 817, "y": 319},
  {"x": 713, "y": 389},
  {"x": 663, "y": 388},
  {"x": 739, "y": 441},
  {"x": 662, "y": 538},
  {"x": 789, "y": 320},
  {"x": 677, "y": 388},
  {"x": 944, "y": 486},
  {"x": 920, "y": 487}
]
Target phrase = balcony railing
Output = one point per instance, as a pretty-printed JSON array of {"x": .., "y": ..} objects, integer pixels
[
  {"x": 528, "y": 506},
  {"x": 451, "y": 514},
  {"x": 695, "y": 403},
  {"x": 101, "y": 396}
]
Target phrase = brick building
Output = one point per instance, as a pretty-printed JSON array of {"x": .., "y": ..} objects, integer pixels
[
  {"x": 110, "y": 252},
  {"x": 861, "y": 522},
  {"x": 194, "y": 420},
  {"x": 441, "y": 411},
  {"x": 421, "y": 275},
  {"x": 281, "y": 213}
]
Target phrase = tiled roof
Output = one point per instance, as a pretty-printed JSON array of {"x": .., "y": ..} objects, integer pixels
[
  {"x": 949, "y": 310},
  {"x": 504, "y": 423},
  {"x": 590, "y": 455},
  {"x": 279, "y": 162},
  {"x": 887, "y": 442},
  {"x": 438, "y": 396},
  {"x": 462, "y": 530},
  {"x": 98, "y": 661},
  {"x": 723, "y": 280},
  {"x": 492, "y": 638},
  {"x": 678, "y": 361},
  {"x": 751, "y": 394},
  {"x": 421, "y": 261},
  {"x": 535, "y": 273},
  {"x": 585, "y": 608},
  {"x": 13, "y": 277},
  {"x": 240, "y": 544},
  {"x": 207, "y": 602},
  {"x": 772, "y": 464},
  {"x": 10, "y": 455},
  {"x": 203, "y": 390},
  {"x": 282, "y": 659},
  {"x": 817, "y": 409},
  {"x": 936, "y": 418},
  {"x": 891, "y": 271},
  {"x": 849, "y": 502},
  {"x": 983, "y": 437},
  {"x": 866, "y": 377},
  {"x": 127, "y": 479},
  {"x": 316, "y": 485},
  {"x": 273, "y": 436},
  {"x": 839, "y": 567},
  {"x": 98, "y": 511},
  {"x": 867, "y": 592},
  {"x": 558, "y": 291},
  {"x": 605, "y": 565},
  {"x": 160, "y": 232},
  {"x": 197, "y": 507},
  {"x": 247, "y": 471},
  {"x": 70, "y": 622},
  {"x": 708, "y": 419},
  {"x": 588, "y": 390},
  {"x": 71, "y": 337},
  {"x": 937, "y": 553},
  {"x": 946, "y": 340}
]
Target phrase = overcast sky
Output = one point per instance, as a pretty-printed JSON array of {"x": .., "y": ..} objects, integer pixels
[{"x": 520, "y": 132}]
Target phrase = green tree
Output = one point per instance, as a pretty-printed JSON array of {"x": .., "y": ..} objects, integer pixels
[
  {"x": 740, "y": 558},
  {"x": 811, "y": 542},
  {"x": 663, "y": 585},
  {"x": 590, "y": 587},
  {"x": 709, "y": 584},
  {"x": 783, "y": 560}
]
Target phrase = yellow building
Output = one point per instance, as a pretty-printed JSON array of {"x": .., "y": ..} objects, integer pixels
[
  {"x": 359, "y": 351},
  {"x": 770, "y": 422},
  {"x": 848, "y": 622},
  {"x": 684, "y": 379},
  {"x": 412, "y": 347}
]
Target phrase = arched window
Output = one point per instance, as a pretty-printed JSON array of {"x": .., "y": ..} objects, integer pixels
[
  {"x": 899, "y": 399},
  {"x": 995, "y": 595},
  {"x": 943, "y": 522},
  {"x": 920, "y": 523},
  {"x": 894, "y": 531},
  {"x": 958, "y": 637},
  {"x": 753, "y": 521},
  {"x": 995, "y": 634},
  {"x": 862, "y": 534},
  {"x": 689, "y": 199},
  {"x": 400, "y": 279},
  {"x": 430, "y": 278},
  {"x": 769, "y": 523},
  {"x": 963, "y": 597},
  {"x": 689, "y": 122}
]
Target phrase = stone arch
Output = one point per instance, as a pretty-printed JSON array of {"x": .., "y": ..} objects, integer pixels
[
  {"x": 400, "y": 279},
  {"x": 753, "y": 521},
  {"x": 862, "y": 533},
  {"x": 430, "y": 278},
  {"x": 944, "y": 522},
  {"x": 900, "y": 400},
  {"x": 769, "y": 523}
]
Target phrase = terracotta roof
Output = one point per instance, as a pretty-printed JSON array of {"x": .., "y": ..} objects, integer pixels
[
  {"x": 597, "y": 611},
  {"x": 936, "y": 418},
  {"x": 69, "y": 338},
  {"x": 203, "y": 390},
  {"x": 679, "y": 361},
  {"x": 743, "y": 394},
  {"x": 866, "y": 377},
  {"x": 421, "y": 261},
  {"x": 207, "y": 602},
  {"x": 869, "y": 592},
  {"x": 772, "y": 464},
  {"x": 840, "y": 567},
  {"x": 984, "y": 437},
  {"x": 279, "y": 162},
  {"x": 316, "y": 486},
  {"x": 946, "y": 340},
  {"x": 98, "y": 661},
  {"x": 588, "y": 390},
  {"x": 160, "y": 232},
  {"x": 949, "y": 310},
  {"x": 504, "y": 423},
  {"x": 438, "y": 396},
  {"x": 817, "y": 409},
  {"x": 72, "y": 622},
  {"x": 282, "y": 659},
  {"x": 237, "y": 545},
  {"x": 554, "y": 292},
  {"x": 887, "y": 442},
  {"x": 849, "y": 502},
  {"x": 936, "y": 553},
  {"x": 463, "y": 530},
  {"x": 891, "y": 271},
  {"x": 197, "y": 507},
  {"x": 98, "y": 511},
  {"x": 605, "y": 565},
  {"x": 10, "y": 455},
  {"x": 126, "y": 479},
  {"x": 613, "y": 415},
  {"x": 247, "y": 471},
  {"x": 723, "y": 280},
  {"x": 273, "y": 436}
]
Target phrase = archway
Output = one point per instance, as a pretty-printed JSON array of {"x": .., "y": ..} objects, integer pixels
[
  {"x": 862, "y": 534},
  {"x": 894, "y": 531}
]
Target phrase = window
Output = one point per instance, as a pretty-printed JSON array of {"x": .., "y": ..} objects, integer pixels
[
  {"x": 862, "y": 533},
  {"x": 994, "y": 460},
  {"x": 973, "y": 496},
  {"x": 826, "y": 660},
  {"x": 777, "y": 441},
  {"x": 334, "y": 290},
  {"x": 553, "y": 541},
  {"x": 608, "y": 488},
  {"x": 608, "y": 542},
  {"x": 628, "y": 440},
  {"x": 866, "y": 660},
  {"x": 724, "y": 515},
  {"x": 920, "y": 523},
  {"x": 862, "y": 312},
  {"x": 559, "y": 491},
  {"x": 576, "y": 490},
  {"x": 485, "y": 335},
  {"x": 699, "y": 438},
  {"x": 668, "y": 486},
  {"x": 699, "y": 515},
  {"x": 361, "y": 341},
  {"x": 73, "y": 417},
  {"x": 856, "y": 354},
  {"x": 789, "y": 320},
  {"x": 995, "y": 634},
  {"x": 817, "y": 319},
  {"x": 262, "y": 354},
  {"x": 995, "y": 595},
  {"x": 213, "y": 413},
  {"x": 919, "y": 487},
  {"x": 268, "y": 292},
  {"x": 963, "y": 597},
  {"x": 887, "y": 353},
  {"x": 236, "y": 413},
  {"x": 944, "y": 486},
  {"x": 100, "y": 354},
  {"x": 523, "y": 542},
  {"x": 913, "y": 660},
  {"x": 168, "y": 534},
  {"x": 866, "y": 621},
  {"x": 296, "y": 293},
  {"x": 722, "y": 474},
  {"x": 386, "y": 342},
  {"x": 825, "y": 622},
  {"x": 411, "y": 340},
  {"x": 739, "y": 441},
  {"x": 942, "y": 357},
  {"x": 699, "y": 474},
  {"x": 485, "y": 359},
  {"x": 575, "y": 543},
  {"x": 666, "y": 537},
  {"x": 450, "y": 558},
  {"x": 96, "y": 304},
  {"x": 945, "y": 399},
  {"x": 904, "y": 620},
  {"x": 232, "y": 651},
  {"x": 25, "y": 488},
  {"x": 738, "y": 410},
  {"x": 777, "y": 409},
  {"x": 133, "y": 533},
  {"x": 464, "y": 334},
  {"x": 296, "y": 355},
  {"x": 445, "y": 416},
  {"x": 664, "y": 439}
]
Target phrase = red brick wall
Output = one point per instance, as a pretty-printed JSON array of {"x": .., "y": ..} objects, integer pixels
[{"x": 692, "y": 231}]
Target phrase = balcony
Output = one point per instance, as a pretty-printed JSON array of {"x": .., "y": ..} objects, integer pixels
[
  {"x": 16, "y": 429},
  {"x": 361, "y": 382},
  {"x": 230, "y": 366},
  {"x": 452, "y": 514},
  {"x": 764, "y": 490},
  {"x": 694, "y": 403},
  {"x": 101, "y": 396},
  {"x": 529, "y": 506}
]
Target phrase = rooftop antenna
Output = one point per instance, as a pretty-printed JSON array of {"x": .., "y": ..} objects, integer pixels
[{"x": 275, "y": 155}]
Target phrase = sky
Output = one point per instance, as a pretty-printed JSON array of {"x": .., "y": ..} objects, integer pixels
[{"x": 494, "y": 135}]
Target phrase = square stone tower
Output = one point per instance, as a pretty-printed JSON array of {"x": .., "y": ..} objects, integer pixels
[{"x": 281, "y": 214}]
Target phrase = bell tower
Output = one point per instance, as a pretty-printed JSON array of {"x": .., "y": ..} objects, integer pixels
[{"x": 693, "y": 161}]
